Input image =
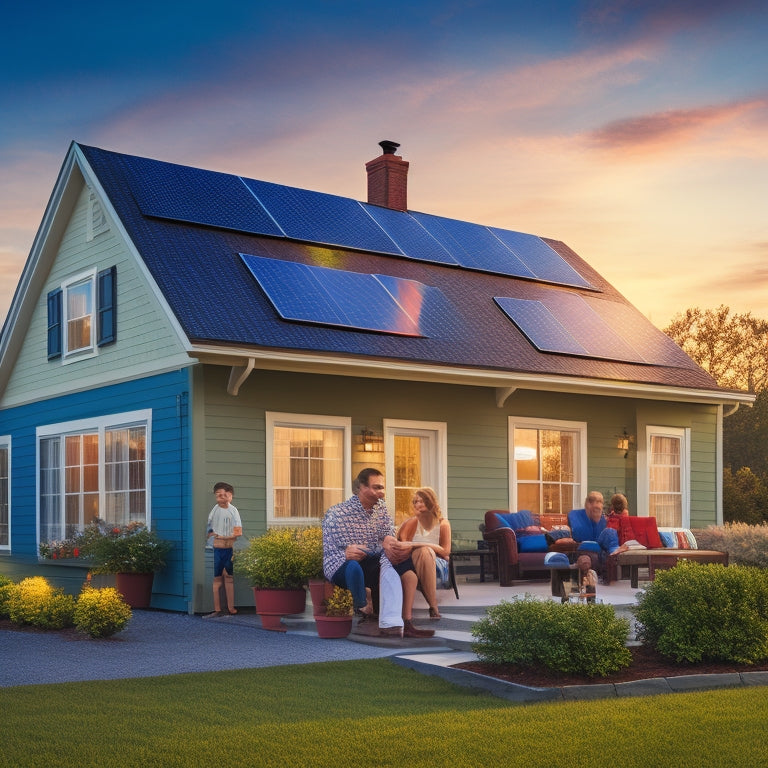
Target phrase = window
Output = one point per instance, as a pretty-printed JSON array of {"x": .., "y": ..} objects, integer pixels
[
  {"x": 548, "y": 465},
  {"x": 668, "y": 476},
  {"x": 5, "y": 492},
  {"x": 308, "y": 462},
  {"x": 82, "y": 314},
  {"x": 98, "y": 470}
]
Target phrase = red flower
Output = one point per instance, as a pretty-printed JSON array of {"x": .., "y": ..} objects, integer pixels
[{"x": 76, "y": 552}]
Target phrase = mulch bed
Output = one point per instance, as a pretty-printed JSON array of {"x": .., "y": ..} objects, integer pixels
[{"x": 646, "y": 664}]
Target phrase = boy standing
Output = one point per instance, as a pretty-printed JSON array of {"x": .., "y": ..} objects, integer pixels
[{"x": 225, "y": 526}]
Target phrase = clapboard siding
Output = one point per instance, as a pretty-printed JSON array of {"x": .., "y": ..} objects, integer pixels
[{"x": 146, "y": 341}]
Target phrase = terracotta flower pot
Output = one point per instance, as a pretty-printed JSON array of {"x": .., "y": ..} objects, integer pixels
[
  {"x": 333, "y": 627},
  {"x": 136, "y": 588},
  {"x": 319, "y": 590},
  {"x": 271, "y": 604}
]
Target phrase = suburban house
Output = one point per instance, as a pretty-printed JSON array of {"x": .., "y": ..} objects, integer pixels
[{"x": 175, "y": 326}]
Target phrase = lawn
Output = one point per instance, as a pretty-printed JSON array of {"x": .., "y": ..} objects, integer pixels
[{"x": 366, "y": 713}]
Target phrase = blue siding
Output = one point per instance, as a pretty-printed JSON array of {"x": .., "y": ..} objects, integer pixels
[{"x": 167, "y": 396}]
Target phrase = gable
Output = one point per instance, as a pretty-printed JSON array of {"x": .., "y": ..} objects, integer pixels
[{"x": 143, "y": 340}]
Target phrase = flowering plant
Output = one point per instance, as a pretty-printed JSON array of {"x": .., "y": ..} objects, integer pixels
[
  {"x": 281, "y": 558},
  {"x": 60, "y": 550},
  {"x": 131, "y": 548},
  {"x": 339, "y": 603}
]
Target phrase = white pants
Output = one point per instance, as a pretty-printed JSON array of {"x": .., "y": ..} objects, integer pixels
[{"x": 390, "y": 596}]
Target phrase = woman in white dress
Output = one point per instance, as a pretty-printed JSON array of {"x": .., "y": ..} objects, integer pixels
[{"x": 430, "y": 534}]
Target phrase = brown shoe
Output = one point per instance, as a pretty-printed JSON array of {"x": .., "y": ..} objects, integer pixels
[
  {"x": 410, "y": 631},
  {"x": 391, "y": 632}
]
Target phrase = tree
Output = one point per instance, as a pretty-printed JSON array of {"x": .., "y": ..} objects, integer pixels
[{"x": 733, "y": 348}]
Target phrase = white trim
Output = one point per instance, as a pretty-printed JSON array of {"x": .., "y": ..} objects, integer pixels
[
  {"x": 279, "y": 419},
  {"x": 5, "y": 442},
  {"x": 97, "y": 424},
  {"x": 643, "y": 468},
  {"x": 83, "y": 353},
  {"x": 299, "y": 362},
  {"x": 438, "y": 430},
  {"x": 527, "y": 422}
]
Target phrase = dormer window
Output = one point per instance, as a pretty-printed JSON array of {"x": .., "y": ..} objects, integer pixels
[{"x": 82, "y": 315}]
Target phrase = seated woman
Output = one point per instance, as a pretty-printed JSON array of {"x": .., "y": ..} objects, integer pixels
[{"x": 430, "y": 534}]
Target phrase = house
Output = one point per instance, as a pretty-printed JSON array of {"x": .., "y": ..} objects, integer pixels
[{"x": 175, "y": 326}]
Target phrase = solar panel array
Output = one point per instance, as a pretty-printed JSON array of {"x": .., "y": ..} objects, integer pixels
[
  {"x": 565, "y": 323},
  {"x": 167, "y": 191},
  {"x": 338, "y": 297}
]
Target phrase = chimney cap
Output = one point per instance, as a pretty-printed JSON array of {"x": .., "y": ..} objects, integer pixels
[{"x": 388, "y": 147}]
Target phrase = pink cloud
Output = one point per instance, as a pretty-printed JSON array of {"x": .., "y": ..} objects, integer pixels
[{"x": 665, "y": 130}]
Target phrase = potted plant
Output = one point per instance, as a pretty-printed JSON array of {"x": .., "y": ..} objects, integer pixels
[
  {"x": 278, "y": 565},
  {"x": 132, "y": 552},
  {"x": 336, "y": 620},
  {"x": 319, "y": 587}
]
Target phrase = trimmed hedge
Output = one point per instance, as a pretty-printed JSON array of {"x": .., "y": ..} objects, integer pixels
[
  {"x": 696, "y": 612},
  {"x": 34, "y": 601},
  {"x": 572, "y": 639},
  {"x": 101, "y": 612}
]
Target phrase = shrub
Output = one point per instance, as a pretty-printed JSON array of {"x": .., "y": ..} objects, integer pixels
[
  {"x": 131, "y": 548},
  {"x": 36, "y": 602},
  {"x": 7, "y": 587},
  {"x": 695, "y": 612},
  {"x": 282, "y": 558},
  {"x": 745, "y": 544},
  {"x": 101, "y": 612},
  {"x": 563, "y": 637}
]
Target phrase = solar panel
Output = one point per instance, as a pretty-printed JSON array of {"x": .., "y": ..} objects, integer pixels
[
  {"x": 474, "y": 247},
  {"x": 589, "y": 329},
  {"x": 411, "y": 239},
  {"x": 319, "y": 218},
  {"x": 545, "y": 263},
  {"x": 539, "y": 325},
  {"x": 181, "y": 193},
  {"x": 337, "y": 297}
]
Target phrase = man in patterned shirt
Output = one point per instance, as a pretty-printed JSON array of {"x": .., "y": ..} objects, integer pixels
[{"x": 360, "y": 551}]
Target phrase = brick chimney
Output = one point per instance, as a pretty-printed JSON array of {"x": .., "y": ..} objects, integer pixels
[{"x": 388, "y": 178}]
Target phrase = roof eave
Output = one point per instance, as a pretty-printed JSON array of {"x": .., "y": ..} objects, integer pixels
[{"x": 244, "y": 360}]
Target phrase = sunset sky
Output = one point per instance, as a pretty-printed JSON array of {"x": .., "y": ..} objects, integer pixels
[{"x": 636, "y": 132}]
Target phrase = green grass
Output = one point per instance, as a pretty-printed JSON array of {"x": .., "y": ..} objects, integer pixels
[{"x": 365, "y": 713}]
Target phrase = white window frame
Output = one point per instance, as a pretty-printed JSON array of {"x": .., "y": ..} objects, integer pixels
[
  {"x": 301, "y": 420},
  {"x": 526, "y": 422},
  {"x": 644, "y": 468},
  {"x": 99, "y": 425},
  {"x": 67, "y": 355},
  {"x": 5, "y": 444},
  {"x": 439, "y": 467}
]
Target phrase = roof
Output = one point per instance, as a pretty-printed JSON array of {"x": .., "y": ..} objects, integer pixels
[{"x": 248, "y": 264}]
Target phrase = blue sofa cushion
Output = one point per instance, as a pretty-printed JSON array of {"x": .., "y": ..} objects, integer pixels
[
  {"x": 609, "y": 540},
  {"x": 555, "y": 559},
  {"x": 532, "y": 543},
  {"x": 589, "y": 546},
  {"x": 515, "y": 520}
]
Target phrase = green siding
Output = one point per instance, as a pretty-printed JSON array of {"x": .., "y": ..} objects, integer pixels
[{"x": 477, "y": 430}]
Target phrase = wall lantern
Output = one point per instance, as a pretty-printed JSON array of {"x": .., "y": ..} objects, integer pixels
[
  {"x": 370, "y": 441},
  {"x": 623, "y": 441}
]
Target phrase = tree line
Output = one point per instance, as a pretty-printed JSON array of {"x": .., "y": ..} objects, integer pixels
[{"x": 733, "y": 348}]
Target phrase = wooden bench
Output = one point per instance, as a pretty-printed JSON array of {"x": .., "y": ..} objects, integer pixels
[{"x": 634, "y": 559}]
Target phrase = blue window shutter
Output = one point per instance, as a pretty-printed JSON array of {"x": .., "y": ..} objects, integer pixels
[
  {"x": 54, "y": 324},
  {"x": 107, "y": 306}
]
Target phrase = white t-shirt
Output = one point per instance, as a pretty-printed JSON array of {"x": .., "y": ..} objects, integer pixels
[{"x": 223, "y": 520}]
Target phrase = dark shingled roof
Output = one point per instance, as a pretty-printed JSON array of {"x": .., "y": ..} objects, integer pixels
[{"x": 191, "y": 226}]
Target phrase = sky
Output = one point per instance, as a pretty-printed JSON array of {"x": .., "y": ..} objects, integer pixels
[{"x": 634, "y": 131}]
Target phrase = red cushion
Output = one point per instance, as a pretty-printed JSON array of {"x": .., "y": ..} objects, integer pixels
[
  {"x": 682, "y": 540},
  {"x": 646, "y": 532}
]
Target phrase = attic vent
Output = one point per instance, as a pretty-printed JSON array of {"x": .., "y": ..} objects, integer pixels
[
  {"x": 388, "y": 178},
  {"x": 97, "y": 220}
]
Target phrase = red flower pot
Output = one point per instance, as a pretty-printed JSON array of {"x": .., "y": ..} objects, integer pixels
[{"x": 271, "y": 604}]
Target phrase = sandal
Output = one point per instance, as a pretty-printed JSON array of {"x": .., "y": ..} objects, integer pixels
[{"x": 434, "y": 614}]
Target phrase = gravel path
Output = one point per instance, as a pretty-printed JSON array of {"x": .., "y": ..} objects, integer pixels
[{"x": 158, "y": 643}]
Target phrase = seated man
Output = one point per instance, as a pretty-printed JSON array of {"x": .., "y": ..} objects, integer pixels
[
  {"x": 589, "y": 528},
  {"x": 360, "y": 551}
]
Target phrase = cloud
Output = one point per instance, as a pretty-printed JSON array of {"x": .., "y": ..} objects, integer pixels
[{"x": 662, "y": 131}]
